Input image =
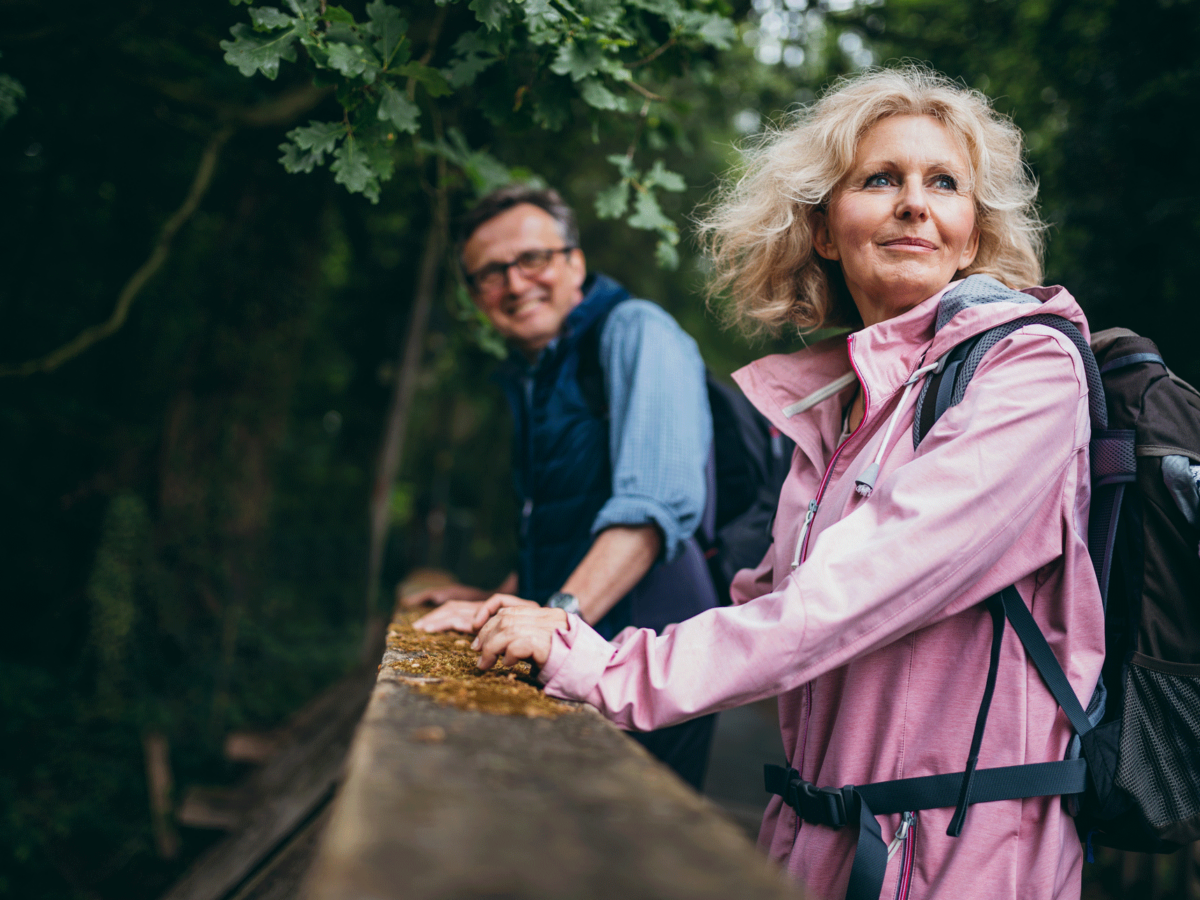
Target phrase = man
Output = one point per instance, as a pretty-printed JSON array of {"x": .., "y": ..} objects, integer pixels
[{"x": 612, "y": 440}]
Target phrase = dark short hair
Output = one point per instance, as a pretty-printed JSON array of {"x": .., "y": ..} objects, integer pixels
[{"x": 511, "y": 195}]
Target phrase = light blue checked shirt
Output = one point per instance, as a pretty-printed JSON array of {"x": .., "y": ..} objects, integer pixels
[{"x": 660, "y": 426}]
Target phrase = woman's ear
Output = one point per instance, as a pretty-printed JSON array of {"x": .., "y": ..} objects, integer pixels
[
  {"x": 970, "y": 251},
  {"x": 822, "y": 240}
]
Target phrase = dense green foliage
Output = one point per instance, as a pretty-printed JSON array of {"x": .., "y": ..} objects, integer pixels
[
  {"x": 546, "y": 63},
  {"x": 187, "y": 499}
]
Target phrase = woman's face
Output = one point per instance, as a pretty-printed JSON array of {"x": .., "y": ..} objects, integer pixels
[{"x": 902, "y": 222}]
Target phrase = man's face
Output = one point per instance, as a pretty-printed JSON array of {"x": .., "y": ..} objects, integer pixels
[{"x": 527, "y": 308}]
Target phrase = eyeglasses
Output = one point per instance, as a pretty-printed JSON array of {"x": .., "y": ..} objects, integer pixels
[{"x": 492, "y": 278}]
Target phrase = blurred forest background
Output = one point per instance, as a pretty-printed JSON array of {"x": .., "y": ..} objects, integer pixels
[{"x": 188, "y": 501}]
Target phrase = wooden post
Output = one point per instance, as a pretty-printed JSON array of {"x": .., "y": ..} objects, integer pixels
[{"x": 160, "y": 785}]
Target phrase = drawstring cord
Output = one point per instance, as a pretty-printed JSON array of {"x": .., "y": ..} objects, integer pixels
[{"x": 865, "y": 483}]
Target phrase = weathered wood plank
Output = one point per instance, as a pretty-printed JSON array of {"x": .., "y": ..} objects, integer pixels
[{"x": 441, "y": 803}]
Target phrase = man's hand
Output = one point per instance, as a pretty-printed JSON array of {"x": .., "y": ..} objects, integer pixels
[
  {"x": 518, "y": 632},
  {"x": 453, "y": 615},
  {"x": 439, "y": 595}
]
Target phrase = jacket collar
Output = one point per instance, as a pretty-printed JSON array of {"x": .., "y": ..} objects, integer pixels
[{"x": 885, "y": 355}]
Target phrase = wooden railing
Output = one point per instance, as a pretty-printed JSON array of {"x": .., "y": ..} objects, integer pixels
[{"x": 443, "y": 802}]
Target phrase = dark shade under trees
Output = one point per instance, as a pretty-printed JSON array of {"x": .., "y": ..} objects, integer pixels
[{"x": 186, "y": 501}]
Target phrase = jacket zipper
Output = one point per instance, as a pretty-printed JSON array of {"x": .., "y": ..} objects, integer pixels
[
  {"x": 906, "y": 835},
  {"x": 814, "y": 505},
  {"x": 802, "y": 543}
]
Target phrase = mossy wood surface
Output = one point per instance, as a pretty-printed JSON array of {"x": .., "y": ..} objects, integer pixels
[{"x": 444, "y": 802}]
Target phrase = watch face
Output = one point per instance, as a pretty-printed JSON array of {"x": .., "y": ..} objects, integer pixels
[{"x": 564, "y": 601}]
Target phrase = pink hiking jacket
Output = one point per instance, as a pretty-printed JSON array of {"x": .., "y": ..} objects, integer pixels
[{"x": 877, "y": 642}]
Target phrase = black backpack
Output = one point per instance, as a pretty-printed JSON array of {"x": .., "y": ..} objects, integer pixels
[
  {"x": 1141, "y": 737},
  {"x": 1132, "y": 778},
  {"x": 751, "y": 459}
]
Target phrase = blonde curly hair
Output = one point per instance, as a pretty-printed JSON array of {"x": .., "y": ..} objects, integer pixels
[{"x": 759, "y": 230}]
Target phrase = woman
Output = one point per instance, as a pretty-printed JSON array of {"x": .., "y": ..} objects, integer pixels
[{"x": 866, "y": 616}]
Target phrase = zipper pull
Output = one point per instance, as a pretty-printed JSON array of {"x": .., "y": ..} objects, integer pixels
[
  {"x": 906, "y": 820},
  {"x": 812, "y": 511}
]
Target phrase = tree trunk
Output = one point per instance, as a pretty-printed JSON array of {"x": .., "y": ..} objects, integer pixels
[{"x": 408, "y": 366}]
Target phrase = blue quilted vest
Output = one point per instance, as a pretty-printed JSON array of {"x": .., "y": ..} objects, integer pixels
[{"x": 563, "y": 477}]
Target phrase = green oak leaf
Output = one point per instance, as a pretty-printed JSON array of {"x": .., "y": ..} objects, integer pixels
[
  {"x": 647, "y": 214},
  {"x": 396, "y": 108},
  {"x": 670, "y": 10},
  {"x": 712, "y": 28},
  {"x": 296, "y": 160},
  {"x": 624, "y": 165},
  {"x": 541, "y": 14},
  {"x": 352, "y": 168},
  {"x": 338, "y": 14},
  {"x": 252, "y": 52},
  {"x": 612, "y": 202},
  {"x": 552, "y": 110},
  {"x": 578, "y": 60},
  {"x": 11, "y": 91},
  {"x": 597, "y": 95},
  {"x": 305, "y": 9},
  {"x": 353, "y": 61},
  {"x": 341, "y": 33},
  {"x": 658, "y": 176},
  {"x": 429, "y": 78},
  {"x": 390, "y": 29},
  {"x": 475, "y": 52},
  {"x": 490, "y": 12},
  {"x": 486, "y": 172},
  {"x": 268, "y": 18},
  {"x": 319, "y": 137},
  {"x": 373, "y": 141},
  {"x": 666, "y": 255}
]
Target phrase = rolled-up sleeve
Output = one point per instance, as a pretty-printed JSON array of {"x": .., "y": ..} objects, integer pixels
[{"x": 660, "y": 430}]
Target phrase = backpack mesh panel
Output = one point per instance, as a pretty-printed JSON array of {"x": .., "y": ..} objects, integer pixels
[
  {"x": 1114, "y": 454},
  {"x": 1160, "y": 754}
]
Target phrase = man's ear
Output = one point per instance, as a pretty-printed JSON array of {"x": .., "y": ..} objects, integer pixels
[
  {"x": 577, "y": 264},
  {"x": 821, "y": 239}
]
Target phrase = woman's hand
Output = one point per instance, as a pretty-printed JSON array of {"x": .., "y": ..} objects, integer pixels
[
  {"x": 494, "y": 604},
  {"x": 518, "y": 632},
  {"x": 468, "y": 615}
]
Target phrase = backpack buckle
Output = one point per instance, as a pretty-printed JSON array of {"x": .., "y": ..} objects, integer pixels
[{"x": 818, "y": 806}]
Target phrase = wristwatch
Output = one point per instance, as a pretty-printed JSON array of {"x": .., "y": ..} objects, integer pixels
[{"x": 568, "y": 603}]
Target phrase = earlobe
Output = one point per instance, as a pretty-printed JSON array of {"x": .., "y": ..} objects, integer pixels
[{"x": 821, "y": 240}]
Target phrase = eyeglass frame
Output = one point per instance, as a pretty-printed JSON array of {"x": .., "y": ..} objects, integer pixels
[{"x": 497, "y": 268}]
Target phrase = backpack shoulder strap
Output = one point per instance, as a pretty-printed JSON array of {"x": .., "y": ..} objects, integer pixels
[
  {"x": 589, "y": 372},
  {"x": 949, "y": 381}
]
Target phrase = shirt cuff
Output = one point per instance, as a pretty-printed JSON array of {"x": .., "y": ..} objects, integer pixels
[
  {"x": 632, "y": 511},
  {"x": 578, "y": 657}
]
